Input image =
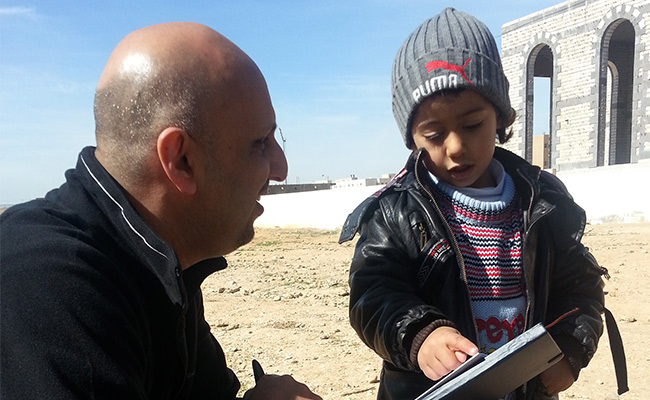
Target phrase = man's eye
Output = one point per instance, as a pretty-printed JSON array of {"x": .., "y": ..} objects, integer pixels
[{"x": 260, "y": 145}]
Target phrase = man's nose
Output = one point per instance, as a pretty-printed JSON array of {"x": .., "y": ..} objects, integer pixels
[{"x": 279, "y": 168}]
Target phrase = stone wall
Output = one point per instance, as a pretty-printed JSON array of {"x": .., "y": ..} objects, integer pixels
[{"x": 576, "y": 44}]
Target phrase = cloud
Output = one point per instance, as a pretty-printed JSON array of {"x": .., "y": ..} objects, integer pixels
[{"x": 17, "y": 12}]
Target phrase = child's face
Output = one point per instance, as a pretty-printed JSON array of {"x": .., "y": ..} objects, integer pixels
[{"x": 458, "y": 131}]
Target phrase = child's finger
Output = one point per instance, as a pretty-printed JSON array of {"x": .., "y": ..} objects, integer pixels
[
  {"x": 460, "y": 356},
  {"x": 465, "y": 346}
]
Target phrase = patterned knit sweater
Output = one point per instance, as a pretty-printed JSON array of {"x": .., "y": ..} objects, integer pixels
[{"x": 487, "y": 226}]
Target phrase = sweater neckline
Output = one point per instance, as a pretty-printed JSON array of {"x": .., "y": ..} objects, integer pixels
[{"x": 490, "y": 199}]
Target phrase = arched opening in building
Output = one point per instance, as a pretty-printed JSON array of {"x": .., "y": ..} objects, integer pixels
[
  {"x": 539, "y": 111},
  {"x": 615, "y": 94}
]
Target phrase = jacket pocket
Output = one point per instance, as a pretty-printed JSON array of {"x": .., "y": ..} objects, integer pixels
[{"x": 435, "y": 252}]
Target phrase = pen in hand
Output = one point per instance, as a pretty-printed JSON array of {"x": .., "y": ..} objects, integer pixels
[{"x": 258, "y": 372}]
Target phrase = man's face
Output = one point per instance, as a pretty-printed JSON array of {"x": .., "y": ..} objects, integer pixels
[
  {"x": 458, "y": 131},
  {"x": 242, "y": 158}
]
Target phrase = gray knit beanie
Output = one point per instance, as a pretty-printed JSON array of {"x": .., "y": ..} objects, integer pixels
[{"x": 450, "y": 50}]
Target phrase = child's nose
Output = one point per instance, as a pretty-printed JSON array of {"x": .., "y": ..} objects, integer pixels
[{"x": 454, "y": 144}]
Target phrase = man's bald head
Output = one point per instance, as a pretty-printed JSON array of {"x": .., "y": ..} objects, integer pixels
[{"x": 157, "y": 77}]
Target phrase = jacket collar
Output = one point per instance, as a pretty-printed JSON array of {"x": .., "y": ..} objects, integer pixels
[
  {"x": 518, "y": 167},
  {"x": 137, "y": 238},
  {"x": 524, "y": 174}
]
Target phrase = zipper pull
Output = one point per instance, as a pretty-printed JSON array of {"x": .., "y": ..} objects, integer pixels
[{"x": 423, "y": 235}]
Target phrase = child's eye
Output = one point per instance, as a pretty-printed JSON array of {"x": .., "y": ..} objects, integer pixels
[
  {"x": 473, "y": 125},
  {"x": 432, "y": 136}
]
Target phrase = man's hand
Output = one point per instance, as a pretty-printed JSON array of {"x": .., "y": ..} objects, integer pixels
[
  {"x": 443, "y": 351},
  {"x": 280, "y": 387},
  {"x": 557, "y": 378}
]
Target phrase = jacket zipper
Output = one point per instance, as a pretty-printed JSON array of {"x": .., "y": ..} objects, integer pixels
[
  {"x": 182, "y": 317},
  {"x": 454, "y": 243},
  {"x": 528, "y": 225}
]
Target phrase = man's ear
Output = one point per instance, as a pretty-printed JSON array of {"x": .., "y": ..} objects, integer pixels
[{"x": 173, "y": 146}]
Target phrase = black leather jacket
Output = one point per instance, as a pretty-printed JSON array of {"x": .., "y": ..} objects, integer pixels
[{"x": 407, "y": 272}]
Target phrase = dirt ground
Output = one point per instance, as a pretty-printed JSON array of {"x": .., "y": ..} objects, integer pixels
[{"x": 283, "y": 301}]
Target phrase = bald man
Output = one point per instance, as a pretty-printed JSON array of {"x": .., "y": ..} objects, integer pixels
[{"x": 100, "y": 281}]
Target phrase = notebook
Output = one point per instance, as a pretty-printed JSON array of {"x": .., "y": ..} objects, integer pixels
[{"x": 490, "y": 377}]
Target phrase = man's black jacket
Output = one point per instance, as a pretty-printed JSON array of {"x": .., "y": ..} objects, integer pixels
[{"x": 94, "y": 304}]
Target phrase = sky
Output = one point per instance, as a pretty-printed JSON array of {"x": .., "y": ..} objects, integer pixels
[{"x": 327, "y": 65}]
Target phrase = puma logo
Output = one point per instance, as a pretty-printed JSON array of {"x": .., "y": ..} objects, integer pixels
[
  {"x": 440, "y": 82},
  {"x": 460, "y": 70}
]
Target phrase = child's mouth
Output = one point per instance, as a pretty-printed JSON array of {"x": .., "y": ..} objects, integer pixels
[{"x": 460, "y": 172}]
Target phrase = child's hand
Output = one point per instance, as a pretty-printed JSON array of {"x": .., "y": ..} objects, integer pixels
[
  {"x": 557, "y": 378},
  {"x": 443, "y": 351}
]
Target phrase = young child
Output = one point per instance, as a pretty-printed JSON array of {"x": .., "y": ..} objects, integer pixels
[{"x": 469, "y": 245}]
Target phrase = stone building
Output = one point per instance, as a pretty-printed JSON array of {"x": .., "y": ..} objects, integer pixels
[
  {"x": 596, "y": 55},
  {"x": 540, "y": 151}
]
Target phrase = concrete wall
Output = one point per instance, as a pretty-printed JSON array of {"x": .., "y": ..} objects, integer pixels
[
  {"x": 323, "y": 209},
  {"x": 617, "y": 193}
]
